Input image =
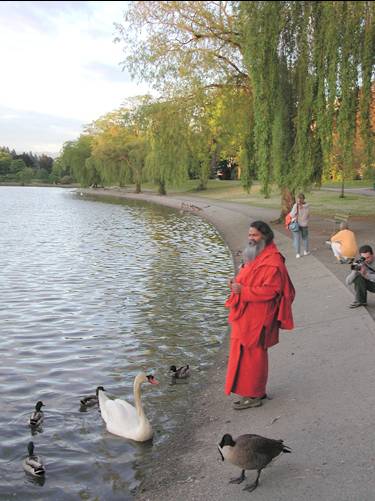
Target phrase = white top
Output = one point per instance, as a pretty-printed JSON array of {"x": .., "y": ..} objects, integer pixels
[{"x": 303, "y": 214}]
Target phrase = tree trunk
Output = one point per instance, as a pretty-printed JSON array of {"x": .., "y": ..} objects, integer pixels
[
  {"x": 162, "y": 190},
  {"x": 202, "y": 185},
  {"x": 214, "y": 157},
  {"x": 137, "y": 187},
  {"x": 287, "y": 201},
  {"x": 342, "y": 195}
]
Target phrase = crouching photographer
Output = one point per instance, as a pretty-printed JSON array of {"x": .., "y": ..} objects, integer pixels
[{"x": 362, "y": 276}]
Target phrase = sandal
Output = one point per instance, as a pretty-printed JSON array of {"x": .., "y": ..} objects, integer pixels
[
  {"x": 242, "y": 398},
  {"x": 247, "y": 403}
]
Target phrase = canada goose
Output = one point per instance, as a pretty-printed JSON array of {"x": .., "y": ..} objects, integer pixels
[
  {"x": 37, "y": 416},
  {"x": 122, "y": 418},
  {"x": 33, "y": 464},
  {"x": 250, "y": 452},
  {"x": 181, "y": 373},
  {"x": 91, "y": 400}
]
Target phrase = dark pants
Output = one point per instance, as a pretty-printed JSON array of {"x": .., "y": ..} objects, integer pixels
[{"x": 361, "y": 286}]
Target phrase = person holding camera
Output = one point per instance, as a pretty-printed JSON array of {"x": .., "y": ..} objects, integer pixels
[{"x": 362, "y": 276}]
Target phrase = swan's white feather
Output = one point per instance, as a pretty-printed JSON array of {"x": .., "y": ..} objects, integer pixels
[
  {"x": 122, "y": 415},
  {"x": 103, "y": 399},
  {"x": 123, "y": 419}
]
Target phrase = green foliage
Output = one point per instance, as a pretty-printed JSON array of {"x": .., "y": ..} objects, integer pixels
[
  {"x": 45, "y": 163},
  {"x": 367, "y": 61},
  {"x": 25, "y": 175},
  {"x": 307, "y": 61},
  {"x": 73, "y": 160},
  {"x": 167, "y": 160},
  {"x": 42, "y": 174},
  {"x": 17, "y": 166},
  {"x": 260, "y": 21},
  {"x": 119, "y": 147},
  {"x": 246, "y": 162},
  {"x": 182, "y": 44},
  {"x": 5, "y": 162},
  {"x": 66, "y": 180}
]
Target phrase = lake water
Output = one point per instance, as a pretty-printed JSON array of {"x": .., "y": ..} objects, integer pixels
[{"x": 92, "y": 293}]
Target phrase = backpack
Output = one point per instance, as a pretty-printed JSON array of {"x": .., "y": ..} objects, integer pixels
[{"x": 288, "y": 220}]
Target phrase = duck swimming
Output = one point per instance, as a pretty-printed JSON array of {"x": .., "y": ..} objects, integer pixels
[
  {"x": 33, "y": 464},
  {"x": 181, "y": 373},
  {"x": 37, "y": 416},
  {"x": 250, "y": 452},
  {"x": 122, "y": 418},
  {"x": 92, "y": 400}
]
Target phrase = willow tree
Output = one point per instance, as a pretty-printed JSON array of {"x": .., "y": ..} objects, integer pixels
[
  {"x": 278, "y": 56},
  {"x": 166, "y": 133},
  {"x": 229, "y": 116},
  {"x": 347, "y": 100},
  {"x": 367, "y": 93},
  {"x": 74, "y": 159},
  {"x": 109, "y": 153},
  {"x": 344, "y": 60},
  {"x": 202, "y": 142},
  {"x": 220, "y": 125},
  {"x": 179, "y": 44},
  {"x": 305, "y": 60},
  {"x": 119, "y": 145},
  {"x": 187, "y": 49}
]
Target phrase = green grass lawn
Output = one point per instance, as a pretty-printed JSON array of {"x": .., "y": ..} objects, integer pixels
[
  {"x": 322, "y": 202},
  {"x": 363, "y": 183}
]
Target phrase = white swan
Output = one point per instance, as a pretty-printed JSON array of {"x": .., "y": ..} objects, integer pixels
[{"x": 122, "y": 418}]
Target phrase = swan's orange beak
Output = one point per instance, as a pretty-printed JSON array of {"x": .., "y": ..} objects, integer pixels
[{"x": 152, "y": 380}]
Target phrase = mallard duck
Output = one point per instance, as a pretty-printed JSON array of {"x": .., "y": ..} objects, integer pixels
[
  {"x": 33, "y": 464},
  {"x": 37, "y": 416},
  {"x": 122, "y": 418},
  {"x": 91, "y": 400},
  {"x": 181, "y": 373},
  {"x": 250, "y": 452}
]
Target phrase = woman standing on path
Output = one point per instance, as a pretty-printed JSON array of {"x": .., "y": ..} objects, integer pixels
[{"x": 301, "y": 212}]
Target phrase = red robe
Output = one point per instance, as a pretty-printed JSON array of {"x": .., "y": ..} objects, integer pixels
[{"x": 256, "y": 315}]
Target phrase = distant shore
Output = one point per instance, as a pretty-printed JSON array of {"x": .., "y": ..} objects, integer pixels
[{"x": 40, "y": 185}]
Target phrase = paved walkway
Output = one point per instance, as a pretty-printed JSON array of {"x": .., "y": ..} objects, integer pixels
[{"x": 321, "y": 390}]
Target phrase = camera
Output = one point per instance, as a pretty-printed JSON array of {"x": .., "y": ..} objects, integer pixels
[{"x": 358, "y": 263}]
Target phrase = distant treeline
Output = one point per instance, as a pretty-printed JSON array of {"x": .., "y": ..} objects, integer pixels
[{"x": 26, "y": 168}]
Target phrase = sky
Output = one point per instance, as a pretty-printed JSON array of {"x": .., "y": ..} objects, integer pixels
[{"x": 60, "y": 71}]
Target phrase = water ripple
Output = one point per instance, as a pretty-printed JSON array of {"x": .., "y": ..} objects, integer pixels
[{"x": 92, "y": 293}]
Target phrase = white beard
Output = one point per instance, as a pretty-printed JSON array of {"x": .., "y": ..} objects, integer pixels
[{"x": 252, "y": 250}]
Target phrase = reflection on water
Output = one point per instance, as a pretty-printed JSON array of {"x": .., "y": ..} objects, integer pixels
[{"x": 91, "y": 293}]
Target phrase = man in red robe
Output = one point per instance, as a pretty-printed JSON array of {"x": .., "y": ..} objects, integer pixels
[{"x": 260, "y": 304}]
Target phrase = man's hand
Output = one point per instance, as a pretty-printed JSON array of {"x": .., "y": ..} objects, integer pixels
[
  {"x": 236, "y": 288},
  {"x": 363, "y": 271}
]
